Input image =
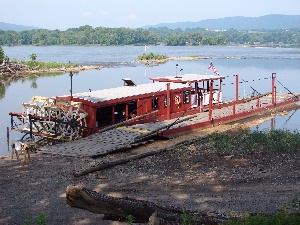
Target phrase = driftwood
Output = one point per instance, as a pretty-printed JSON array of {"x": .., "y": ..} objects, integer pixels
[
  {"x": 11, "y": 68},
  {"x": 141, "y": 210},
  {"x": 93, "y": 167},
  {"x": 111, "y": 163}
]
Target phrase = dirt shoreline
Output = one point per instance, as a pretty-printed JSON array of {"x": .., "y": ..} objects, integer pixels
[{"x": 188, "y": 175}]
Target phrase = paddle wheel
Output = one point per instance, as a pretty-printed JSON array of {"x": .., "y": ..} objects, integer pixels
[{"x": 50, "y": 119}]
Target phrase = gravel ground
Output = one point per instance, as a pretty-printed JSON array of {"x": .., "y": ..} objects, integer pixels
[{"x": 190, "y": 175}]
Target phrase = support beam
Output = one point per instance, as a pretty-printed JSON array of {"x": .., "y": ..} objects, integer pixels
[
  {"x": 210, "y": 100},
  {"x": 273, "y": 88},
  {"x": 168, "y": 102}
]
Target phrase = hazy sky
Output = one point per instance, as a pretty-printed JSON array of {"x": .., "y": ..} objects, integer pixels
[{"x": 63, "y": 14}]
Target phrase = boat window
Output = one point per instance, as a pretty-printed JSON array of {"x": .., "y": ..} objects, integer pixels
[
  {"x": 104, "y": 116},
  {"x": 165, "y": 101},
  {"x": 186, "y": 98},
  {"x": 155, "y": 103}
]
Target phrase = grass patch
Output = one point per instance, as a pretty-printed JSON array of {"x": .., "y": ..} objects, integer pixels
[
  {"x": 47, "y": 65},
  {"x": 280, "y": 218},
  {"x": 288, "y": 214},
  {"x": 244, "y": 141}
]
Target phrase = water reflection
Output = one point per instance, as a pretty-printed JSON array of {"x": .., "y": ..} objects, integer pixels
[
  {"x": 289, "y": 121},
  {"x": 33, "y": 83},
  {"x": 2, "y": 90}
]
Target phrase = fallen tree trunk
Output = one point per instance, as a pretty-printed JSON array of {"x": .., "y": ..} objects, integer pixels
[
  {"x": 107, "y": 164},
  {"x": 92, "y": 167},
  {"x": 142, "y": 211}
]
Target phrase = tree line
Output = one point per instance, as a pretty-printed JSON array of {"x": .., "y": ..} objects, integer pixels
[{"x": 87, "y": 35}]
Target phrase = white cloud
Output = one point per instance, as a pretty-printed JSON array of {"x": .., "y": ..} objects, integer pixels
[
  {"x": 87, "y": 14},
  {"x": 130, "y": 16},
  {"x": 102, "y": 14}
]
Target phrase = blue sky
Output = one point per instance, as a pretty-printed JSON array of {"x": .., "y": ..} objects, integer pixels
[{"x": 63, "y": 14}]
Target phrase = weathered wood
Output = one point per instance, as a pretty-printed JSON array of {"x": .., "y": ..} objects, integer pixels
[
  {"x": 152, "y": 133},
  {"x": 93, "y": 167},
  {"x": 107, "y": 164},
  {"x": 11, "y": 68},
  {"x": 141, "y": 210}
]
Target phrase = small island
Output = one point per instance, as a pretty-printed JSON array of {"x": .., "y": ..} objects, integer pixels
[
  {"x": 159, "y": 59},
  {"x": 10, "y": 70}
]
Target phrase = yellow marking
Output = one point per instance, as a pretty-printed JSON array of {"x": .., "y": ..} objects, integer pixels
[{"x": 133, "y": 129}]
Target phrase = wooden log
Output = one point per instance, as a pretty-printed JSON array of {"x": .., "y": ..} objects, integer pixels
[
  {"x": 92, "y": 167},
  {"x": 141, "y": 210},
  {"x": 107, "y": 164}
]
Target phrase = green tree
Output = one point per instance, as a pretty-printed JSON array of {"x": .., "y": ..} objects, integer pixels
[
  {"x": 33, "y": 57},
  {"x": 2, "y": 56}
]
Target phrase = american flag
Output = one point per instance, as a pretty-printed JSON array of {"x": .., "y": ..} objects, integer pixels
[{"x": 212, "y": 67}]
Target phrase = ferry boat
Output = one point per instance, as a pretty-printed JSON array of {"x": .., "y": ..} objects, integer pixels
[{"x": 175, "y": 104}]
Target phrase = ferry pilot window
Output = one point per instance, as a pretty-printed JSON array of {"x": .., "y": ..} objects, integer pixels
[
  {"x": 155, "y": 103},
  {"x": 165, "y": 101},
  {"x": 186, "y": 97}
]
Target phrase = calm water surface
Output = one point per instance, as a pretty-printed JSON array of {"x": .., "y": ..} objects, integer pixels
[{"x": 254, "y": 65}]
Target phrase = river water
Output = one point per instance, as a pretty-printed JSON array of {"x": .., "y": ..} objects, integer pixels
[{"x": 253, "y": 65}]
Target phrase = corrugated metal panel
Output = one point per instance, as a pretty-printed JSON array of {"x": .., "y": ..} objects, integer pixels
[{"x": 126, "y": 91}]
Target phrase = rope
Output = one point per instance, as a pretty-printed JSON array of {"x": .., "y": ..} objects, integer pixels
[
  {"x": 255, "y": 90},
  {"x": 290, "y": 116},
  {"x": 287, "y": 89}
]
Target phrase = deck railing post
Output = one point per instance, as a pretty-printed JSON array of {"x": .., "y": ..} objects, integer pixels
[
  {"x": 168, "y": 102},
  {"x": 273, "y": 89},
  {"x": 210, "y": 100},
  {"x": 236, "y": 88}
]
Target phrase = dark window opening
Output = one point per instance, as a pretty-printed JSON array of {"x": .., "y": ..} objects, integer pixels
[
  {"x": 155, "y": 103},
  {"x": 103, "y": 116},
  {"x": 186, "y": 97},
  {"x": 132, "y": 109},
  {"x": 120, "y": 113},
  {"x": 165, "y": 101}
]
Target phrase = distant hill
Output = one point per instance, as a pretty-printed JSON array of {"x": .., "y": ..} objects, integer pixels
[
  {"x": 14, "y": 27},
  {"x": 271, "y": 22}
]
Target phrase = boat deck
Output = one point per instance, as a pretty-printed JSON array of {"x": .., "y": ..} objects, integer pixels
[{"x": 125, "y": 137}]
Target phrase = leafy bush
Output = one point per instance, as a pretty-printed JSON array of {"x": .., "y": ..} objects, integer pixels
[
  {"x": 130, "y": 219},
  {"x": 152, "y": 56},
  {"x": 41, "y": 220}
]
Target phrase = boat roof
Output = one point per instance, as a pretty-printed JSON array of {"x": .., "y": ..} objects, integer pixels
[
  {"x": 183, "y": 78},
  {"x": 126, "y": 91}
]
